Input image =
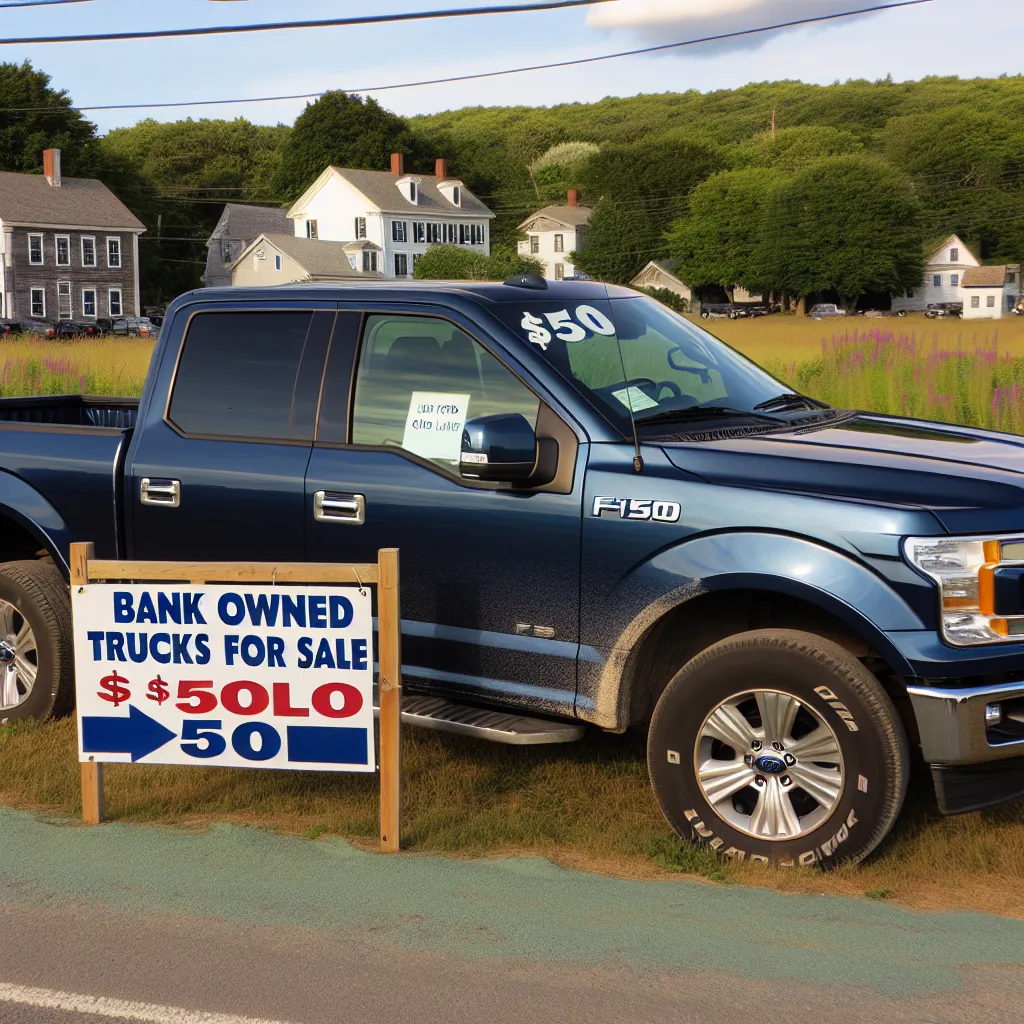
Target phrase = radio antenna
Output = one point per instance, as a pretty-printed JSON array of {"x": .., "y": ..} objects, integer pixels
[{"x": 638, "y": 459}]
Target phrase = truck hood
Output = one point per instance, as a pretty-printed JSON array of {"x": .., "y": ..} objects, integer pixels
[{"x": 971, "y": 480}]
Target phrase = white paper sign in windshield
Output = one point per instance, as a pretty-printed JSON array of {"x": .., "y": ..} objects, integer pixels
[
  {"x": 251, "y": 677},
  {"x": 433, "y": 428},
  {"x": 635, "y": 399}
]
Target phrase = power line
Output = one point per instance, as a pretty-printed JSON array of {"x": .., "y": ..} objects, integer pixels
[
  {"x": 43, "y": 3},
  {"x": 489, "y": 74},
  {"x": 277, "y": 26}
]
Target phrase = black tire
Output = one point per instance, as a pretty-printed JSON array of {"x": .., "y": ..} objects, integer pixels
[
  {"x": 837, "y": 691},
  {"x": 39, "y": 594}
]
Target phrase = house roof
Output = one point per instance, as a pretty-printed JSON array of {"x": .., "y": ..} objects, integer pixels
[
  {"x": 318, "y": 258},
  {"x": 30, "y": 200},
  {"x": 938, "y": 244},
  {"x": 984, "y": 277},
  {"x": 381, "y": 188},
  {"x": 667, "y": 267},
  {"x": 570, "y": 216},
  {"x": 246, "y": 222}
]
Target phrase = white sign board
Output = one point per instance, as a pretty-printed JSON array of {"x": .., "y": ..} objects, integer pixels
[
  {"x": 434, "y": 425},
  {"x": 253, "y": 677}
]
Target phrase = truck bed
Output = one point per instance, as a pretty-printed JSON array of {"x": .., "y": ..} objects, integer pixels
[{"x": 71, "y": 411}]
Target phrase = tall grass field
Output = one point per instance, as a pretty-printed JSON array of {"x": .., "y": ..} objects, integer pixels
[{"x": 588, "y": 805}]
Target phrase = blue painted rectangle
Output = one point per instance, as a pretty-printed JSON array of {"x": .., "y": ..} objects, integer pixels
[{"x": 326, "y": 744}]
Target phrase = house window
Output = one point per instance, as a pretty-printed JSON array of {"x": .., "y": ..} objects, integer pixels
[
  {"x": 476, "y": 234},
  {"x": 1011, "y": 277},
  {"x": 433, "y": 232},
  {"x": 114, "y": 304},
  {"x": 277, "y": 262},
  {"x": 63, "y": 300},
  {"x": 463, "y": 234},
  {"x": 1009, "y": 303},
  {"x": 360, "y": 227},
  {"x": 559, "y": 243},
  {"x": 456, "y": 195},
  {"x": 910, "y": 293},
  {"x": 559, "y": 271},
  {"x": 88, "y": 251},
  {"x": 227, "y": 252},
  {"x": 63, "y": 250},
  {"x": 937, "y": 280},
  {"x": 990, "y": 301},
  {"x": 37, "y": 302},
  {"x": 113, "y": 252},
  {"x": 449, "y": 233},
  {"x": 534, "y": 243},
  {"x": 413, "y": 192},
  {"x": 401, "y": 264},
  {"x": 312, "y": 231},
  {"x": 954, "y": 255},
  {"x": 399, "y": 231},
  {"x": 419, "y": 231},
  {"x": 88, "y": 301},
  {"x": 954, "y": 280},
  {"x": 975, "y": 301},
  {"x": 35, "y": 250},
  {"x": 369, "y": 261}
]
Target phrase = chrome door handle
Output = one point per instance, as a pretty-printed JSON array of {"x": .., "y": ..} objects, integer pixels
[
  {"x": 161, "y": 492},
  {"x": 332, "y": 507}
]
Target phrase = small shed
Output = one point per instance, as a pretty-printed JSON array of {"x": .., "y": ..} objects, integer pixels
[
  {"x": 990, "y": 292},
  {"x": 284, "y": 259},
  {"x": 661, "y": 274}
]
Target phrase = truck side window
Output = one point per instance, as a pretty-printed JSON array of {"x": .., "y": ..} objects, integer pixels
[
  {"x": 237, "y": 372},
  {"x": 409, "y": 362}
]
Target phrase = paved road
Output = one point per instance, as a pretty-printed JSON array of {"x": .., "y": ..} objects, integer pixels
[{"x": 233, "y": 925}]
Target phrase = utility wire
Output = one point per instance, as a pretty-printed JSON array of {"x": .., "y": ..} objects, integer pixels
[
  {"x": 483, "y": 74},
  {"x": 43, "y": 3},
  {"x": 277, "y": 26}
]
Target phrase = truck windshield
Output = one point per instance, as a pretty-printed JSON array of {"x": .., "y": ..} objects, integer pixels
[{"x": 635, "y": 353}]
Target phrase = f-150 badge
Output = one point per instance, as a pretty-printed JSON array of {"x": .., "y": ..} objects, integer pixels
[{"x": 640, "y": 509}]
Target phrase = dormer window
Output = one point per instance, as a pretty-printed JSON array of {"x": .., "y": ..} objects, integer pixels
[
  {"x": 414, "y": 192},
  {"x": 410, "y": 189},
  {"x": 954, "y": 255},
  {"x": 452, "y": 191}
]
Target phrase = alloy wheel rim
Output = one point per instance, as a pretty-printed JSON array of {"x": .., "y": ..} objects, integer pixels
[
  {"x": 769, "y": 765},
  {"x": 19, "y": 657}
]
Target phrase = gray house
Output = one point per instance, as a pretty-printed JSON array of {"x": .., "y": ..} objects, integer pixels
[
  {"x": 239, "y": 226},
  {"x": 69, "y": 248}
]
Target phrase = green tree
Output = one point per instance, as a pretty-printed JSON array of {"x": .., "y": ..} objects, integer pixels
[
  {"x": 849, "y": 223},
  {"x": 792, "y": 148},
  {"x": 450, "y": 263},
  {"x": 561, "y": 168},
  {"x": 343, "y": 130},
  {"x": 640, "y": 190},
  {"x": 24, "y": 136},
  {"x": 718, "y": 242}
]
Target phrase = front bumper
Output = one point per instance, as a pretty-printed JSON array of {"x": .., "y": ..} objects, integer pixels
[{"x": 974, "y": 763}]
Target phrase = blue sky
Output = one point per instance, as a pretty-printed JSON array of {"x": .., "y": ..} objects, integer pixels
[{"x": 944, "y": 37}]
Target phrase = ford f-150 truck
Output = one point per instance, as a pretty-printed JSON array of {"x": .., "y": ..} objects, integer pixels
[{"x": 605, "y": 516}]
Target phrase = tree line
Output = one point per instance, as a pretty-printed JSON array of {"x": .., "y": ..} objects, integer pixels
[{"x": 844, "y": 195}]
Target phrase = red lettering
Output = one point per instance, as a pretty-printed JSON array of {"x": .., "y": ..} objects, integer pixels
[
  {"x": 352, "y": 700},
  {"x": 259, "y": 699},
  {"x": 194, "y": 689},
  {"x": 283, "y": 703}
]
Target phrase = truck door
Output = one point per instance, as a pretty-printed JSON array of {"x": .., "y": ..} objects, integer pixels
[
  {"x": 490, "y": 574},
  {"x": 217, "y": 471}
]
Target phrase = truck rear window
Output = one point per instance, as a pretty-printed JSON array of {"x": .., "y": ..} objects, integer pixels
[{"x": 236, "y": 375}]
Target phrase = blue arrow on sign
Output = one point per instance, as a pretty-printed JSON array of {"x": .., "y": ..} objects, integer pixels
[{"x": 138, "y": 734}]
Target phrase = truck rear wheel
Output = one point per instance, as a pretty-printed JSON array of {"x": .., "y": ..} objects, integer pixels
[
  {"x": 779, "y": 746},
  {"x": 36, "y": 662}
]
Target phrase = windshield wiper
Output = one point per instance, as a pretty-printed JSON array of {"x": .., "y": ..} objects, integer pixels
[
  {"x": 702, "y": 412},
  {"x": 790, "y": 400}
]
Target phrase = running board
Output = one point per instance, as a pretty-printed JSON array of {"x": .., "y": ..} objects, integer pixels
[{"x": 485, "y": 724}]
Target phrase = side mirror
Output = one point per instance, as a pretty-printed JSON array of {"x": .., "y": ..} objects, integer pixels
[{"x": 504, "y": 448}]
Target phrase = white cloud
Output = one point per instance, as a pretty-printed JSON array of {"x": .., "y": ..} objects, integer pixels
[{"x": 663, "y": 21}]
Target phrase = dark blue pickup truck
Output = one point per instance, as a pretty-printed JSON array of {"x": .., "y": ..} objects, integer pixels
[{"x": 605, "y": 516}]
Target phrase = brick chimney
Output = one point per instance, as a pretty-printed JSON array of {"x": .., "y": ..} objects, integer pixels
[
  {"x": 51, "y": 166},
  {"x": 441, "y": 168},
  {"x": 397, "y": 164},
  {"x": 574, "y": 197}
]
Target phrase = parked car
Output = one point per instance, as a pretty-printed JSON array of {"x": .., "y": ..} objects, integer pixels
[
  {"x": 8, "y": 327},
  {"x": 944, "y": 309},
  {"x": 40, "y": 328},
  {"x": 75, "y": 329},
  {"x": 134, "y": 327},
  {"x": 796, "y": 602},
  {"x": 104, "y": 326},
  {"x": 823, "y": 310},
  {"x": 721, "y": 311}
]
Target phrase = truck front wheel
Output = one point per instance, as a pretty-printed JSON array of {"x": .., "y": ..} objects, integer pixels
[
  {"x": 36, "y": 663},
  {"x": 779, "y": 746}
]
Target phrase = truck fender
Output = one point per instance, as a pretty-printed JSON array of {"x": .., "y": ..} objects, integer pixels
[
  {"x": 29, "y": 509},
  {"x": 742, "y": 561}
]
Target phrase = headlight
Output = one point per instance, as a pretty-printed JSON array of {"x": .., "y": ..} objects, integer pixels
[{"x": 981, "y": 585}]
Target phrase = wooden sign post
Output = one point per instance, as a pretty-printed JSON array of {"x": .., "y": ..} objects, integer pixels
[{"x": 85, "y": 569}]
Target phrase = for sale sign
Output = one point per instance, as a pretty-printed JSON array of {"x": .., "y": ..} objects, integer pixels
[{"x": 255, "y": 677}]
